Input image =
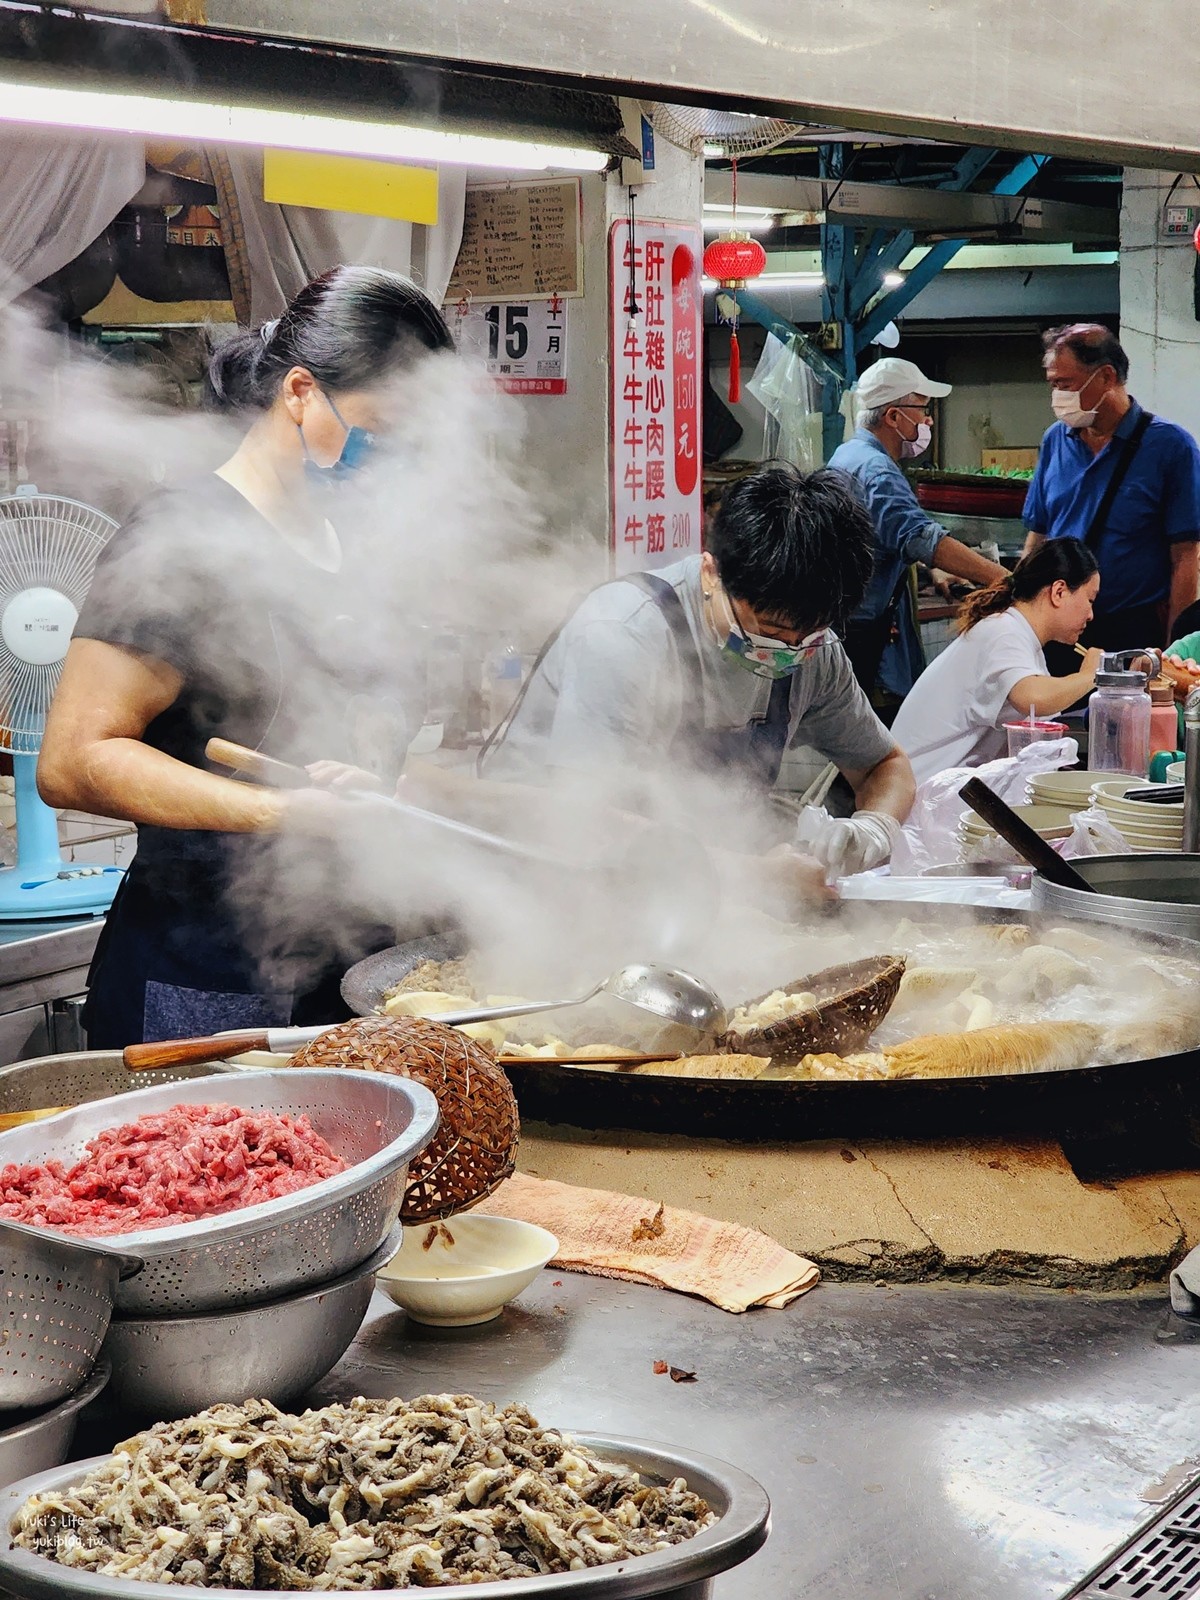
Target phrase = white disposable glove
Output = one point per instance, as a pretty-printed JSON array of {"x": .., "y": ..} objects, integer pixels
[{"x": 846, "y": 845}]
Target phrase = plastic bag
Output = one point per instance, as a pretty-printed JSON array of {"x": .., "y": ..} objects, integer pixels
[
  {"x": 936, "y": 891},
  {"x": 787, "y": 391},
  {"x": 929, "y": 837},
  {"x": 1092, "y": 834}
]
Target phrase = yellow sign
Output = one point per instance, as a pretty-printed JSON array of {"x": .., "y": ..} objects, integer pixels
[{"x": 351, "y": 183}]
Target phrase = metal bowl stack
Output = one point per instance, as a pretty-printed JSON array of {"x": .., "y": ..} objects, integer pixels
[
  {"x": 56, "y": 1304},
  {"x": 261, "y": 1300}
]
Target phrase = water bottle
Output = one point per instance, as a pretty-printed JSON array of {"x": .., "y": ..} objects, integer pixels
[
  {"x": 1191, "y": 773},
  {"x": 447, "y": 696},
  {"x": 1164, "y": 723},
  {"x": 1119, "y": 721},
  {"x": 501, "y": 683}
]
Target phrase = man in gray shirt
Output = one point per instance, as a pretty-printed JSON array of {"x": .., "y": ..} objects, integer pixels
[{"x": 722, "y": 661}]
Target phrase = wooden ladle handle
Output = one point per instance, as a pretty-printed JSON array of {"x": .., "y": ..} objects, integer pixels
[
  {"x": 279, "y": 774},
  {"x": 192, "y": 1052}
]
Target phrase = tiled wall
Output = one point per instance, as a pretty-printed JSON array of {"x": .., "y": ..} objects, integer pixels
[{"x": 935, "y": 636}]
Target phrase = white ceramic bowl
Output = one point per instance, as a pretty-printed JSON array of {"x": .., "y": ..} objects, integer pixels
[
  {"x": 1159, "y": 819},
  {"x": 1053, "y": 788},
  {"x": 1116, "y": 788},
  {"x": 1176, "y": 771},
  {"x": 1152, "y": 830},
  {"x": 465, "y": 1270},
  {"x": 1169, "y": 827},
  {"x": 1043, "y": 819},
  {"x": 426, "y": 740},
  {"x": 260, "y": 1058}
]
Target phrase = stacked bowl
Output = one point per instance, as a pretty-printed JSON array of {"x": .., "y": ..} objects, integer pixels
[
  {"x": 1067, "y": 790},
  {"x": 264, "y": 1299},
  {"x": 56, "y": 1303},
  {"x": 978, "y": 842},
  {"x": 1147, "y": 825}
]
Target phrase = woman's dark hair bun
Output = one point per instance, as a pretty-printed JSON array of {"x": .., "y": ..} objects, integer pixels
[
  {"x": 351, "y": 328},
  {"x": 231, "y": 372}
]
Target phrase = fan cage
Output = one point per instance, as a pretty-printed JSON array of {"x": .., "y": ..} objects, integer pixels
[
  {"x": 692, "y": 127},
  {"x": 46, "y": 541}
]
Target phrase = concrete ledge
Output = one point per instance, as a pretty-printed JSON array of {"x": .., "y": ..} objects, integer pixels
[{"x": 983, "y": 1211}]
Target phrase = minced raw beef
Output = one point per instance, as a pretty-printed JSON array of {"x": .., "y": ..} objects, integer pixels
[{"x": 172, "y": 1167}]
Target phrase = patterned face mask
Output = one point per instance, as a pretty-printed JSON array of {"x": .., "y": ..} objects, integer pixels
[{"x": 758, "y": 653}]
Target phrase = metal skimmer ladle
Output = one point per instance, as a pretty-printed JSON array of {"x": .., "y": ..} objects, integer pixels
[
  {"x": 673, "y": 997},
  {"x": 689, "y": 1013}
]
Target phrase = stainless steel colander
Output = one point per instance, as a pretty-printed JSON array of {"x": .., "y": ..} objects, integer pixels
[
  {"x": 258, "y": 1253},
  {"x": 70, "y": 1079},
  {"x": 56, "y": 1300}
]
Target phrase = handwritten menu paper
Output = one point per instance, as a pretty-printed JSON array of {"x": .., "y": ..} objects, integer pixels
[{"x": 521, "y": 241}]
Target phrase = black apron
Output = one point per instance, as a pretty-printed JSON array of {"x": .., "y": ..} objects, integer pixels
[
  {"x": 754, "y": 752},
  {"x": 208, "y": 932},
  {"x": 145, "y": 981},
  {"x": 174, "y": 960}
]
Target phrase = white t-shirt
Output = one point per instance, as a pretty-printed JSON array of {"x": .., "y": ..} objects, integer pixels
[{"x": 955, "y": 712}]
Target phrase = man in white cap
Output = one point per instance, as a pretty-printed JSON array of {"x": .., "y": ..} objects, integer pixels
[{"x": 894, "y": 425}]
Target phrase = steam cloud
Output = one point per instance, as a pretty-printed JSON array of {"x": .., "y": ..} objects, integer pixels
[{"x": 449, "y": 530}]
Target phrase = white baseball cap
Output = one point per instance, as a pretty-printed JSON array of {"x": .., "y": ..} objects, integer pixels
[{"x": 891, "y": 379}]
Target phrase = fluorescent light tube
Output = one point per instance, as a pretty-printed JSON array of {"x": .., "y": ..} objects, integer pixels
[
  {"x": 153, "y": 117},
  {"x": 742, "y": 225},
  {"x": 777, "y": 280},
  {"x": 716, "y": 209}
]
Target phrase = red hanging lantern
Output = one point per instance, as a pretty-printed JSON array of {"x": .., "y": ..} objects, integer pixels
[{"x": 733, "y": 260}]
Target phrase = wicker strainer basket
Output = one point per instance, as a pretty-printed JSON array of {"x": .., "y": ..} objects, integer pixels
[
  {"x": 475, "y": 1146},
  {"x": 852, "y": 1001}
]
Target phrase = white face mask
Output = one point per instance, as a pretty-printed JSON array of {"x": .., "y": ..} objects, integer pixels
[
  {"x": 1066, "y": 407},
  {"x": 911, "y": 448},
  {"x": 919, "y": 443}
]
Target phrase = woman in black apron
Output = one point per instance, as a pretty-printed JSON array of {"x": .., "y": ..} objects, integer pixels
[{"x": 231, "y": 607}]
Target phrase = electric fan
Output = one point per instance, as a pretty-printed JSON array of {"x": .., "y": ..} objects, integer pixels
[
  {"x": 731, "y": 134},
  {"x": 48, "y": 551}
]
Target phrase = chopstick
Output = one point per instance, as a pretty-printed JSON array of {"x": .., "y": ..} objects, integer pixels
[
  {"x": 1080, "y": 651},
  {"x": 584, "y": 1061}
]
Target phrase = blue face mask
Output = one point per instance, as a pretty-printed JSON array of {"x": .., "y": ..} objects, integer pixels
[{"x": 356, "y": 450}]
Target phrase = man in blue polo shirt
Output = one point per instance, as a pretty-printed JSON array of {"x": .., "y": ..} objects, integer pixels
[{"x": 1125, "y": 482}]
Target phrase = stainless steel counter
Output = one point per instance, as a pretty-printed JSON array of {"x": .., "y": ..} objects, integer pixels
[
  {"x": 918, "y": 1443},
  {"x": 43, "y": 975}
]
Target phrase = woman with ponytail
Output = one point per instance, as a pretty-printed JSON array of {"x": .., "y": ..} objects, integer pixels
[{"x": 995, "y": 671}]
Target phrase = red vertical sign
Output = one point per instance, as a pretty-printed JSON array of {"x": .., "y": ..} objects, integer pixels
[
  {"x": 655, "y": 349},
  {"x": 684, "y": 368}
]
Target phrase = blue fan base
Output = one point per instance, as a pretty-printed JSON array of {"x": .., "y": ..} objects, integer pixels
[
  {"x": 42, "y": 884},
  {"x": 28, "y": 897}
]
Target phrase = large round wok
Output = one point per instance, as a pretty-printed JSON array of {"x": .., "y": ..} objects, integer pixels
[{"x": 1132, "y": 1115}]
